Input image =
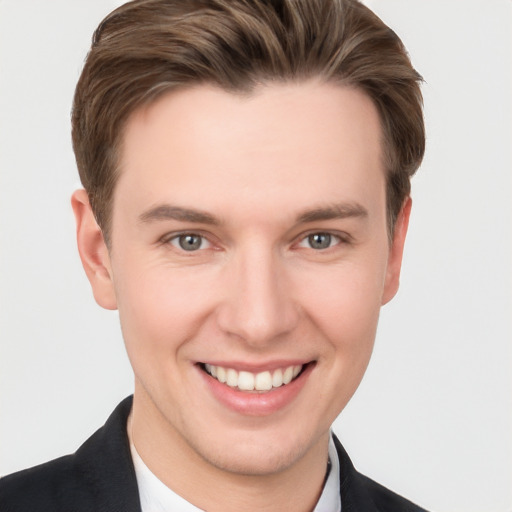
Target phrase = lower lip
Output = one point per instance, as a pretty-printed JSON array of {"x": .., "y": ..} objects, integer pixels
[{"x": 256, "y": 403}]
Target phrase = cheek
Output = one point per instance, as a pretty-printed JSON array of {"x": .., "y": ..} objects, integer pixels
[
  {"x": 346, "y": 311},
  {"x": 348, "y": 295},
  {"x": 160, "y": 310}
]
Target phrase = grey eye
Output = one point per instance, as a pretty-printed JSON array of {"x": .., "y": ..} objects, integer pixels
[
  {"x": 190, "y": 242},
  {"x": 320, "y": 240}
]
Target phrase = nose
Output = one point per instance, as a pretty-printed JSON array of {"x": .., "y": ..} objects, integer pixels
[{"x": 258, "y": 303}]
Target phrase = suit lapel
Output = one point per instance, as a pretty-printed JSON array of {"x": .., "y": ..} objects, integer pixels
[
  {"x": 354, "y": 495},
  {"x": 106, "y": 465}
]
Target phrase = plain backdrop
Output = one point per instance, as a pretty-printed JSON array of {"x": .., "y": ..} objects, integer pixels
[{"x": 433, "y": 416}]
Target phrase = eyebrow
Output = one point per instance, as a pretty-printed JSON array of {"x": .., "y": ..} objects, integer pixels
[
  {"x": 169, "y": 212},
  {"x": 335, "y": 211}
]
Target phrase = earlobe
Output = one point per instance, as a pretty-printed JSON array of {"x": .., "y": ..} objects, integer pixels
[
  {"x": 93, "y": 251},
  {"x": 396, "y": 251}
]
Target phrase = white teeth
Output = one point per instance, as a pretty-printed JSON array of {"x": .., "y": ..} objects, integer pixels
[
  {"x": 232, "y": 378},
  {"x": 221, "y": 374},
  {"x": 277, "y": 379},
  {"x": 263, "y": 381},
  {"x": 288, "y": 375},
  {"x": 247, "y": 381}
]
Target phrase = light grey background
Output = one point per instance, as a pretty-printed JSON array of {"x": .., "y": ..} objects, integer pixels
[{"x": 433, "y": 417}]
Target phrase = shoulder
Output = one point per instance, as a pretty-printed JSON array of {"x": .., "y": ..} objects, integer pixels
[
  {"x": 358, "y": 492},
  {"x": 43, "y": 487},
  {"x": 98, "y": 477},
  {"x": 387, "y": 500}
]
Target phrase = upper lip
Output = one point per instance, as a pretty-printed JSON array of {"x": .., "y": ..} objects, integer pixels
[{"x": 258, "y": 367}]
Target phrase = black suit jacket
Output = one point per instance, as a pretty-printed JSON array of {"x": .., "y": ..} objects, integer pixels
[{"x": 100, "y": 477}]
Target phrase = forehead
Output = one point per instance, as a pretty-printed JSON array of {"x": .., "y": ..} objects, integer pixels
[{"x": 288, "y": 141}]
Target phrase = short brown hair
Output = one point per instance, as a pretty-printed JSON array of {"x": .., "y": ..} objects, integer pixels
[{"x": 148, "y": 47}]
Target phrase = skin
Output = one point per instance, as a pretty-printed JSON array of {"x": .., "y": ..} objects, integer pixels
[{"x": 260, "y": 174}]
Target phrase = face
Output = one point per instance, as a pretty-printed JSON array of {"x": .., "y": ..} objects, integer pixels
[{"x": 249, "y": 260}]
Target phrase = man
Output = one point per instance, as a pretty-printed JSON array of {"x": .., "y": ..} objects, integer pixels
[{"x": 246, "y": 168}]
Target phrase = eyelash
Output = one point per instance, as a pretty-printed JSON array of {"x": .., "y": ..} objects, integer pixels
[
  {"x": 331, "y": 237},
  {"x": 177, "y": 238},
  {"x": 334, "y": 239}
]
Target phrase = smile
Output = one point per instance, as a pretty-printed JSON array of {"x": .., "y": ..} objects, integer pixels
[{"x": 248, "y": 381}]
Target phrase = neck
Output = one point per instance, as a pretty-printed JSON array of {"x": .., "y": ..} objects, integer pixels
[{"x": 209, "y": 487}]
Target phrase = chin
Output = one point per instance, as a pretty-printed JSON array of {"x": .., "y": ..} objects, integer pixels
[
  {"x": 254, "y": 460},
  {"x": 253, "y": 455}
]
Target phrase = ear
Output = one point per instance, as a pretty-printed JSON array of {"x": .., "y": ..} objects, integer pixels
[
  {"x": 396, "y": 251},
  {"x": 93, "y": 251}
]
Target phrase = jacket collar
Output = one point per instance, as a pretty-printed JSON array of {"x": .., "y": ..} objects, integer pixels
[{"x": 106, "y": 464}]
